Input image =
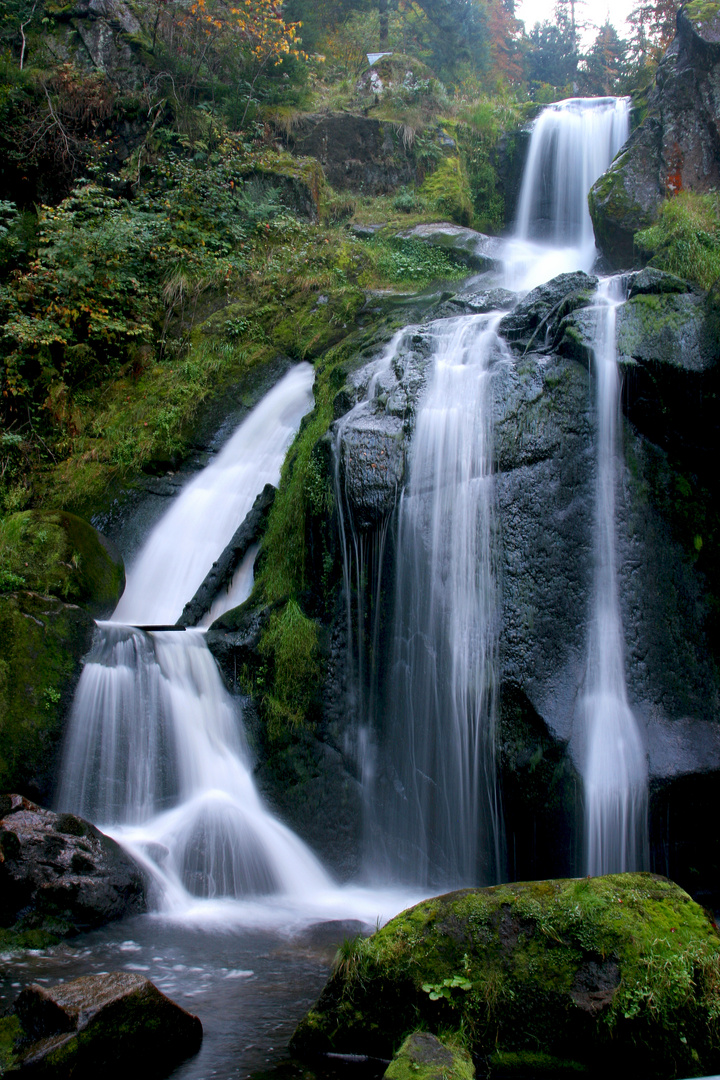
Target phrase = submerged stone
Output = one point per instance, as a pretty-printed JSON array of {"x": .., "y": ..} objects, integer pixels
[
  {"x": 620, "y": 972},
  {"x": 424, "y": 1057},
  {"x": 107, "y": 1022}
]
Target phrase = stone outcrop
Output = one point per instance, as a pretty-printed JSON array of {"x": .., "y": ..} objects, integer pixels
[
  {"x": 357, "y": 153},
  {"x": 676, "y": 147},
  {"x": 102, "y": 1024},
  {"x": 545, "y": 458},
  {"x": 472, "y": 248},
  {"x": 60, "y": 873},
  {"x": 578, "y": 975}
]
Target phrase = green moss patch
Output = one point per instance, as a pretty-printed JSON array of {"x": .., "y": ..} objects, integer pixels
[
  {"x": 42, "y": 641},
  {"x": 59, "y": 554},
  {"x": 605, "y": 972}
]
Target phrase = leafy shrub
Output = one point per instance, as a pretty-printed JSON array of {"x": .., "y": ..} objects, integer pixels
[
  {"x": 290, "y": 643},
  {"x": 448, "y": 189},
  {"x": 685, "y": 239}
]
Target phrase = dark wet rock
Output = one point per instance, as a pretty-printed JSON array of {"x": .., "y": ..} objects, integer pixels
[
  {"x": 424, "y": 1057},
  {"x": 669, "y": 345},
  {"x": 555, "y": 968},
  {"x": 677, "y": 146},
  {"x": 310, "y": 784},
  {"x": 372, "y": 465},
  {"x": 480, "y": 301},
  {"x": 535, "y": 316},
  {"x": 667, "y": 330},
  {"x": 476, "y": 250},
  {"x": 234, "y": 638},
  {"x": 371, "y": 437},
  {"x": 102, "y": 1025},
  {"x": 357, "y": 153},
  {"x": 655, "y": 282},
  {"x": 220, "y": 574},
  {"x": 60, "y": 872}
]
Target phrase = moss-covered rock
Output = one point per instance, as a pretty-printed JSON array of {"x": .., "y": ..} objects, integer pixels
[
  {"x": 620, "y": 972},
  {"x": 59, "y": 554},
  {"x": 56, "y": 573},
  {"x": 101, "y": 1023},
  {"x": 42, "y": 641},
  {"x": 424, "y": 1057}
]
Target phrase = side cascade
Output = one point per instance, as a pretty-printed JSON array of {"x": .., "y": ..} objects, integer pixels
[
  {"x": 155, "y": 751},
  {"x": 434, "y": 818},
  {"x": 615, "y": 768},
  {"x": 573, "y": 142}
]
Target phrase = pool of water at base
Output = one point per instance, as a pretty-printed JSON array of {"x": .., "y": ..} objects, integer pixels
[{"x": 248, "y": 986}]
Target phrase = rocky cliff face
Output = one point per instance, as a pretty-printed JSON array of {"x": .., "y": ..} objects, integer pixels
[
  {"x": 544, "y": 434},
  {"x": 677, "y": 146}
]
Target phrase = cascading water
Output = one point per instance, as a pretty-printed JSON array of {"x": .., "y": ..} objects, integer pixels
[
  {"x": 615, "y": 771},
  {"x": 573, "y": 143},
  {"x": 434, "y": 811},
  {"x": 201, "y": 521},
  {"x": 155, "y": 750}
]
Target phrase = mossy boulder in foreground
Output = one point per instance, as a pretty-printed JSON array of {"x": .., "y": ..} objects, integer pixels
[{"x": 616, "y": 972}]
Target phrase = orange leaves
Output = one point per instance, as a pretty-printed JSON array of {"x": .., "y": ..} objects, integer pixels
[{"x": 258, "y": 24}]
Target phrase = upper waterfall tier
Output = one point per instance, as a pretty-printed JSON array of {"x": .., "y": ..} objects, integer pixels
[
  {"x": 573, "y": 142},
  {"x": 192, "y": 534}
]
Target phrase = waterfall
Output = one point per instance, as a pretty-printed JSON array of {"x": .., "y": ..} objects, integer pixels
[
  {"x": 434, "y": 807},
  {"x": 155, "y": 751},
  {"x": 363, "y": 557},
  {"x": 573, "y": 142},
  {"x": 201, "y": 521},
  {"x": 615, "y": 769}
]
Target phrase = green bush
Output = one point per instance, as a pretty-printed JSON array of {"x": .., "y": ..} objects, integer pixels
[
  {"x": 290, "y": 643},
  {"x": 448, "y": 189},
  {"x": 685, "y": 239}
]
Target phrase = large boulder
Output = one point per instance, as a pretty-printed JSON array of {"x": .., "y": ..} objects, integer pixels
[
  {"x": 617, "y": 973},
  {"x": 60, "y": 873},
  {"x": 677, "y": 146},
  {"x": 101, "y": 1024},
  {"x": 531, "y": 320}
]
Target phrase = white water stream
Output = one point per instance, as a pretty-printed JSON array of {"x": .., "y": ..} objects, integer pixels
[
  {"x": 615, "y": 767},
  {"x": 201, "y": 521},
  {"x": 573, "y": 142},
  {"x": 436, "y": 821},
  {"x": 155, "y": 752}
]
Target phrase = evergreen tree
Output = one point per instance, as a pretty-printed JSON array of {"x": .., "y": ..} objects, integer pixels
[
  {"x": 552, "y": 56},
  {"x": 604, "y": 69}
]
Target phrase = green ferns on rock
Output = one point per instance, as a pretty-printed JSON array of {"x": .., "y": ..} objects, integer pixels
[{"x": 685, "y": 239}]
